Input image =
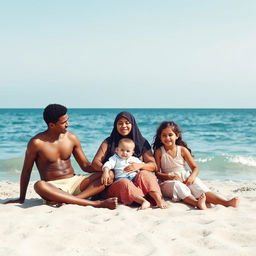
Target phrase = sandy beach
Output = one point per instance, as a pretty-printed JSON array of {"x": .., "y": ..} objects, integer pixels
[{"x": 37, "y": 229}]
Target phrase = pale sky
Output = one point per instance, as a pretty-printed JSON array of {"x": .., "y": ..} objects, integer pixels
[{"x": 128, "y": 53}]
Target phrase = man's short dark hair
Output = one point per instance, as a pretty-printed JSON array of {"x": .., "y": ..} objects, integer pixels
[{"x": 53, "y": 112}]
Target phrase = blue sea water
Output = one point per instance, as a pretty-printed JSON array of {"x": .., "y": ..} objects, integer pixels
[{"x": 223, "y": 141}]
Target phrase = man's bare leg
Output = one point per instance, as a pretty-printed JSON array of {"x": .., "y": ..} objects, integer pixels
[
  {"x": 51, "y": 193},
  {"x": 91, "y": 186}
]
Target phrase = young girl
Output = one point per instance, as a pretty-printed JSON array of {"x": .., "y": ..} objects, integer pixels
[{"x": 177, "y": 183}]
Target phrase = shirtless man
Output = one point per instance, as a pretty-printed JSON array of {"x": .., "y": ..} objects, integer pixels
[{"x": 51, "y": 151}]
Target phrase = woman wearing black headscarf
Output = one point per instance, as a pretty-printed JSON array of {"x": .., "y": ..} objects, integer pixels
[{"x": 145, "y": 183}]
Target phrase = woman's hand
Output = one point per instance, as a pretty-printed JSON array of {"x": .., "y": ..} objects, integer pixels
[{"x": 132, "y": 167}]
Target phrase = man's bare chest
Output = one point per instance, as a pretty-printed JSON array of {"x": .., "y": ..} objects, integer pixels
[{"x": 53, "y": 152}]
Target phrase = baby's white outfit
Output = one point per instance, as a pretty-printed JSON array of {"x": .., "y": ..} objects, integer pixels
[{"x": 118, "y": 164}]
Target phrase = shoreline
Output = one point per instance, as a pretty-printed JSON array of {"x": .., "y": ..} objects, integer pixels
[{"x": 38, "y": 229}]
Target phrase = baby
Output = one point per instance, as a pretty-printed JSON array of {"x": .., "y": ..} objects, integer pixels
[{"x": 122, "y": 158}]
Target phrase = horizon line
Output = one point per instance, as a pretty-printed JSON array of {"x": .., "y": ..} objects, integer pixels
[{"x": 134, "y": 107}]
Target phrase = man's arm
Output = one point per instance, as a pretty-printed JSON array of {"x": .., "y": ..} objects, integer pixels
[
  {"x": 29, "y": 160},
  {"x": 79, "y": 155}
]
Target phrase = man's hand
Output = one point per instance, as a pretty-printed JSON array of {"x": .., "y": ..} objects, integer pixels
[{"x": 15, "y": 201}]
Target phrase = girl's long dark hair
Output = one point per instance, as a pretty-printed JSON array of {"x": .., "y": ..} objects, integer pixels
[{"x": 175, "y": 128}]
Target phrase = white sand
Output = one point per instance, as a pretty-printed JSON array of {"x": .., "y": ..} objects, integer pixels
[{"x": 37, "y": 229}]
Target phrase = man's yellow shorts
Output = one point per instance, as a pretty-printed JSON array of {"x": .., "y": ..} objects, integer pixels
[{"x": 70, "y": 185}]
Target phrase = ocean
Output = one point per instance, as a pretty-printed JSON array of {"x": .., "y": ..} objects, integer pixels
[{"x": 223, "y": 141}]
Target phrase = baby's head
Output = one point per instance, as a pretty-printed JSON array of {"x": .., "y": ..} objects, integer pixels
[{"x": 125, "y": 148}]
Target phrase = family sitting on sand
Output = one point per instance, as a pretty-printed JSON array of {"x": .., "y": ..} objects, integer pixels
[{"x": 124, "y": 167}]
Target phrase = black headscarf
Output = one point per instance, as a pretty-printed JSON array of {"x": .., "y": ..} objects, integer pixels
[{"x": 141, "y": 144}]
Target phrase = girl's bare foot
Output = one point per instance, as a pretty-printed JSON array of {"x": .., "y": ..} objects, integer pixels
[
  {"x": 145, "y": 204},
  {"x": 201, "y": 202},
  {"x": 234, "y": 202}
]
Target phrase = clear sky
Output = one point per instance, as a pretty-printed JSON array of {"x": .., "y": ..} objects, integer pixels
[{"x": 128, "y": 53}]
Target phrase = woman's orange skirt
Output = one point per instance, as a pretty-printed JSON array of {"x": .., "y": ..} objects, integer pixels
[{"x": 126, "y": 190}]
